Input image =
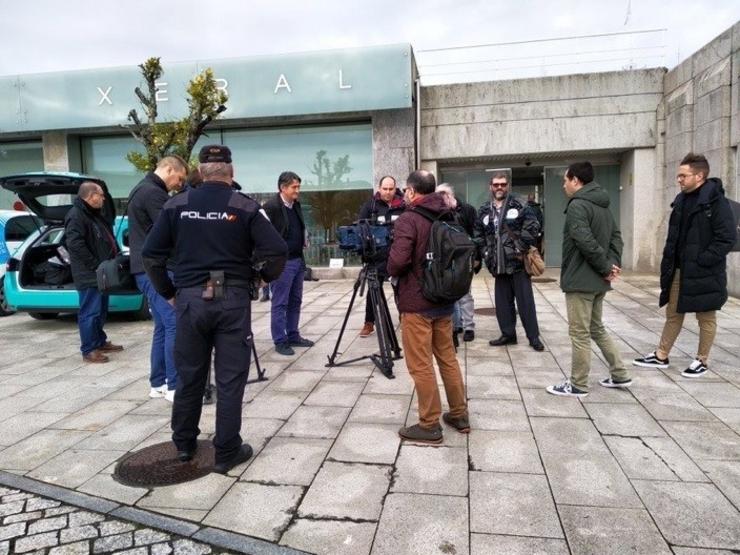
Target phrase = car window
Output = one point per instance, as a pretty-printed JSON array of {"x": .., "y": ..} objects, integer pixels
[
  {"x": 20, "y": 227},
  {"x": 53, "y": 237}
]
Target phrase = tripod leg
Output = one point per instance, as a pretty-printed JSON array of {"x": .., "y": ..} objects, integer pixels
[
  {"x": 384, "y": 325},
  {"x": 361, "y": 279},
  {"x": 260, "y": 371},
  {"x": 395, "y": 346}
]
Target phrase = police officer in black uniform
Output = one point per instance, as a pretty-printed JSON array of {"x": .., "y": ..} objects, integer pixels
[{"x": 219, "y": 237}]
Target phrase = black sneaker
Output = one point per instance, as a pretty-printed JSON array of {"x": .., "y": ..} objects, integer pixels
[
  {"x": 421, "y": 435},
  {"x": 243, "y": 455},
  {"x": 186, "y": 455},
  {"x": 608, "y": 382},
  {"x": 468, "y": 336},
  {"x": 284, "y": 349},
  {"x": 566, "y": 389},
  {"x": 651, "y": 361},
  {"x": 695, "y": 369},
  {"x": 301, "y": 342}
]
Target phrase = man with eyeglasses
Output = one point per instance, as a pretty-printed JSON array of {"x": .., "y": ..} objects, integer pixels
[
  {"x": 504, "y": 230},
  {"x": 693, "y": 271}
]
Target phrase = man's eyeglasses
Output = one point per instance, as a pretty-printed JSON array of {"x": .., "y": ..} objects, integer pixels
[{"x": 499, "y": 185}]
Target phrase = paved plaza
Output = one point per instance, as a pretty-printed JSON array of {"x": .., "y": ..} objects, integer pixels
[{"x": 655, "y": 469}]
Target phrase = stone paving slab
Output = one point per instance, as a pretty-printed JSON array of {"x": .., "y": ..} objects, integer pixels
[
  {"x": 329, "y": 474},
  {"x": 422, "y": 524},
  {"x": 611, "y": 531},
  {"x": 692, "y": 515},
  {"x": 512, "y": 504}
]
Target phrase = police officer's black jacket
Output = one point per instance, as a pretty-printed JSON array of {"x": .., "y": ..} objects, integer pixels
[
  {"x": 88, "y": 236},
  {"x": 212, "y": 228},
  {"x": 144, "y": 204},
  {"x": 709, "y": 236},
  {"x": 278, "y": 214}
]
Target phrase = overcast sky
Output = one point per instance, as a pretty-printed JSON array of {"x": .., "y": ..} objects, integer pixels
[{"x": 57, "y": 35}]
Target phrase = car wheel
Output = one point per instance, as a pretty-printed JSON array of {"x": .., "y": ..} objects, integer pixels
[
  {"x": 5, "y": 310},
  {"x": 142, "y": 314},
  {"x": 43, "y": 315}
]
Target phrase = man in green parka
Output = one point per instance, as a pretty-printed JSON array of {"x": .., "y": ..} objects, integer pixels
[{"x": 592, "y": 254}]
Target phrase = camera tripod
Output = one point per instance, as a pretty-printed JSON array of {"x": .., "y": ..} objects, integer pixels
[
  {"x": 388, "y": 347},
  {"x": 210, "y": 393}
]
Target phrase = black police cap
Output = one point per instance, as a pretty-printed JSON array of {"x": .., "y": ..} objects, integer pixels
[{"x": 214, "y": 153}]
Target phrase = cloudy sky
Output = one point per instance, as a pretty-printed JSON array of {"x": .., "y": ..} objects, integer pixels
[{"x": 56, "y": 35}]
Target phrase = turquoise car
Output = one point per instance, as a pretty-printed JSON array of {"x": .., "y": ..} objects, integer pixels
[{"x": 37, "y": 278}]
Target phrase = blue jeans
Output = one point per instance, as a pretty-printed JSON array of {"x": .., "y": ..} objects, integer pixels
[
  {"x": 163, "y": 339},
  {"x": 287, "y": 295},
  {"x": 91, "y": 319}
]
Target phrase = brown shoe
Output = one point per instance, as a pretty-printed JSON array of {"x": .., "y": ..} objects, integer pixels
[
  {"x": 460, "y": 423},
  {"x": 110, "y": 347},
  {"x": 95, "y": 357},
  {"x": 421, "y": 435},
  {"x": 367, "y": 330}
]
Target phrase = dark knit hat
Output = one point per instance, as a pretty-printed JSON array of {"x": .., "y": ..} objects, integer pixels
[{"x": 214, "y": 153}]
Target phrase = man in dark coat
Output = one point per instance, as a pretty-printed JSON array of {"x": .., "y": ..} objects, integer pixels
[
  {"x": 462, "y": 319},
  {"x": 89, "y": 239},
  {"x": 505, "y": 229},
  {"x": 286, "y": 215},
  {"x": 383, "y": 208},
  {"x": 145, "y": 202},
  {"x": 693, "y": 271},
  {"x": 592, "y": 254},
  {"x": 426, "y": 327}
]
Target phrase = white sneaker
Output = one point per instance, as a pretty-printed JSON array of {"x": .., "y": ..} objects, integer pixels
[
  {"x": 158, "y": 392},
  {"x": 170, "y": 395}
]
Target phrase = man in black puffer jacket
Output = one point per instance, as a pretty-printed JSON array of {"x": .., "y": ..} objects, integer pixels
[
  {"x": 693, "y": 272},
  {"x": 88, "y": 236}
]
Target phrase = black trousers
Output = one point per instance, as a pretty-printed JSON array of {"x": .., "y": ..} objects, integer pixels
[
  {"x": 222, "y": 325},
  {"x": 507, "y": 289}
]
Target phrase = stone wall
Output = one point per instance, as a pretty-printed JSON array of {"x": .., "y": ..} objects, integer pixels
[
  {"x": 701, "y": 105},
  {"x": 587, "y": 112},
  {"x": 394, "y": 150}
]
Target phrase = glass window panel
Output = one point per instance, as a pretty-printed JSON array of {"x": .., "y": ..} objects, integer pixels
[
  {"x": 18, "y": 158},
  {"x": 105, "y": 157},
  {"x": 335, "y": 164}
]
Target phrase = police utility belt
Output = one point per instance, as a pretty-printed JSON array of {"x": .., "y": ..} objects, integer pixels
[{"x": 217, "y": 283}]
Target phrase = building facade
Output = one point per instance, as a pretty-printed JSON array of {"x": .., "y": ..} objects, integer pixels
[{"x": 307, "y": 112}]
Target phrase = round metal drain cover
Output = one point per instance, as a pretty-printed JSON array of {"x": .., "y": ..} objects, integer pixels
[
  {"x": 543, "y": 280},
  {"x": 157, "y": 465},
  {"x": 490, "y": 311}
]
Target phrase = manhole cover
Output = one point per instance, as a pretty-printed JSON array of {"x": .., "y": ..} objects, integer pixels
[
  {"x": 157, "y": 465},
  {"x": 543, "y": 280},
  {"x": 485, "y": 311}
]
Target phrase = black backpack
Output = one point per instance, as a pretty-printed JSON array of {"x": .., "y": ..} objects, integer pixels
[{"x": 448, "y": 268}]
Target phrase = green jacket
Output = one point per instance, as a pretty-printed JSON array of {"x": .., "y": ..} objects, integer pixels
[{"x": 591, "y": 242}]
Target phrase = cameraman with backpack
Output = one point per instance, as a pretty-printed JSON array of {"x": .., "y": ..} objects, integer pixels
[{"x": 426, "y": 325}]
